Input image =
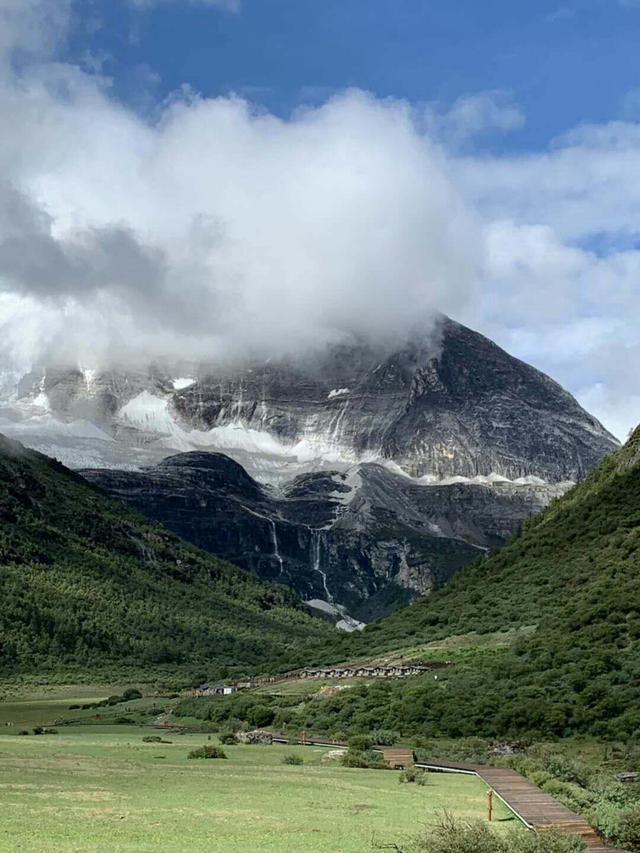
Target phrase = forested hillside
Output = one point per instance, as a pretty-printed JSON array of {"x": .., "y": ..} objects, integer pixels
[
  {"x": 87, "y": 584},
  {"x": 574, "y": 569},
  {"x": 565, "y": 594},
  {"x": 573, "y": 578}
]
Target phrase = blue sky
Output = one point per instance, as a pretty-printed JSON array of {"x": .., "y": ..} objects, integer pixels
[{"x": 563, "y": 63}]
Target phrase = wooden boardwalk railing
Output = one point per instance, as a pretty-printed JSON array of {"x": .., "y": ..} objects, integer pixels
[{"x": 537, "y": 810}]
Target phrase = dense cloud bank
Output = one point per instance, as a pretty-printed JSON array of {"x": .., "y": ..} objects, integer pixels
[{"x": 219, "y": 230}]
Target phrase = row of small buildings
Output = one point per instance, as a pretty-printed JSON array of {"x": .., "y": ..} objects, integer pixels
[
  {"x": 401, "y": 670},
  {"x": 215, "y": 690},
  {"x": 396, "y": 671}
]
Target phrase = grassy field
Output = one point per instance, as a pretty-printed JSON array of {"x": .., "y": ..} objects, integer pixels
[
  {"x": 308, "y": 686},
  {"x": 27, "y": 708},
  {"x": 101, "y": 788}
]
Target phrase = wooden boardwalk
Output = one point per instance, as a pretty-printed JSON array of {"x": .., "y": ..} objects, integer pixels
[
  {"x": 537, "y": 810},
  {"x": 397, "y": 758}
]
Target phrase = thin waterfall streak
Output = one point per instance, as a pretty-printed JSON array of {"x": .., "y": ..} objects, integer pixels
[
  {"x": 274, "y": 540},
  {"x": 316, "y": 554}
]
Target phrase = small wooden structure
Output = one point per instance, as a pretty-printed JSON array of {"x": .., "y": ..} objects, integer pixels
[
  {"x": 365, "y": 671},
  {"x": 215, "y": 690},
  {"x": 628, "y": 777},
  {"x": 403, "y": 669},
  {"x": 537, "y": 810},
  {"x": 397, "y": 758}
]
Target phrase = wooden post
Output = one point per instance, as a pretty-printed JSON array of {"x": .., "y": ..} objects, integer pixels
[
  {"x": 303, "y": 737},
  {"x": 490, "y": 805}
]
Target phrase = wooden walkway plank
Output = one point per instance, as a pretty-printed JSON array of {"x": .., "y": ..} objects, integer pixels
[{"x": 537, "y": 810}]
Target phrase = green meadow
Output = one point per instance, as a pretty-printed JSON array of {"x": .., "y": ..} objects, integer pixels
[{"x": 100, "y": 787}]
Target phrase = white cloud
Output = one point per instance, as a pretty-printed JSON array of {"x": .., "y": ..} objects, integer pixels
[
  {"x": 562, "y": 271},
  {"x": 221, "y": 228},
  {"x": 618, "y": 408},
  {"x": 473, "y": 115},
  {"x": 32, "y": 26}
]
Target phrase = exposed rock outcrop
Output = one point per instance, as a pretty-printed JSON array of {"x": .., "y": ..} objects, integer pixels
[
  {"x": 463, "y": 408},
  {"x": 366, "y": 540}
]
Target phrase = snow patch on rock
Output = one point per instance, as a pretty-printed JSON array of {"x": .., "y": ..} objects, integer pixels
[
  {"x": 47, "y": 425},
  {"x": 345, "y": 622},
  {"x": 89, "y": 377},
  {"x": 349, "y": 624},
  {"x": 182, "y": 382}
]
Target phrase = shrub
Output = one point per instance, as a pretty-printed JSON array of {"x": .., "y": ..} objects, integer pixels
[
  {"x": 293, "y": 759},
  {"x": 360, "y": 743},
  {"x": 124, "y": 721},
  {"x": 260, "y": 716},
  {"x": 23, "y": 732},
  {"x": 353, "y": 758},
  {"x": 452, "y": 836},
  {"x": 152, "y": 739},
  {"x": 413, "y": 774},
  {"x": 605, "y": 816},
  {"x": 546, "y": 842},
  {"x": 628, "y": 831},
  {"x": 408, "y": 775},
  {"x": 472, "y": 749},
  {"x": 561, "y": 766},
  {"x": 571, "y": 795},
  {"x": 228, "y": 738},
  {"x": 383, "y": 737},
  {"x": 538, "y": 777},
  {"x": 615, "y": 792},
  {"x": 234, "y": 724},
  {"x": 363, "y": 759},
  {"x": 131, "y": 693},
  {"x": 38, "y": 730},
  {"x": 374, "y": 758},
  {"x": 207, "y": 751}
]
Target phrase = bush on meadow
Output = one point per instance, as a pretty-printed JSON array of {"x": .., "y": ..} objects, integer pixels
[
  {"x": 207, "y": 751},
  {"x": 450, "y": 835}
]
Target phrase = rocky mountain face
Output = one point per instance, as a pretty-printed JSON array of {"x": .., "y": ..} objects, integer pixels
[
  {"x": 360, "y": 476},
  {"x": 357, "y": 543},
  {"x": 458, "y": 406}
]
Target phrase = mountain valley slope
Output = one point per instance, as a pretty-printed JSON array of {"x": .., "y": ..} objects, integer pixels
[
  {"x": 571, "y": 578},
  {"x": 362, "y": 542},
  {"x": 88, "y": 585},
  {"x": 375, "y": 472},
  {"x": 563, "y": 596}
]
